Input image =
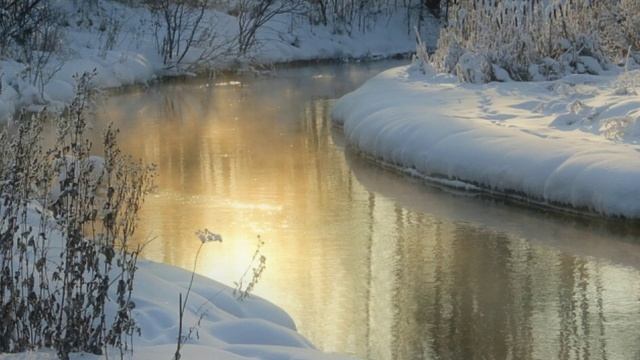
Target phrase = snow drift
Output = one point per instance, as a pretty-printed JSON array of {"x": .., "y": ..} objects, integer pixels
[{"x": 511, "y": 139}]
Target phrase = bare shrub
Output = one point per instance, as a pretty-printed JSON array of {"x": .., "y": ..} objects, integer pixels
[
  {"x": 18, "y": 19},
  {"x": 257, "y": 265},
  {"x": 182, "y": 26},
  {"x": 253, "y": 15},
  {"x": 67, "y": 276},
  {"x": 30, "y": 33},
  {"x": 110, "y": 29}
]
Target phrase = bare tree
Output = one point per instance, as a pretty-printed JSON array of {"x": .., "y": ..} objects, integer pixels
[
  {"x": 347, "y": 16},
  {"x": 18, "y": 19},
  {"x": 180, "y": 26},
  {"x": 254, "y": 14},
  {"x": 30, "y": 33}
]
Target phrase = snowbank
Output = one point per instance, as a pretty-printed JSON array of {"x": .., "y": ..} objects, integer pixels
[
  {"x": 224, "y": 328},
  {"x": 569, "y": 143},
  {"x": 230, "y": 329}
]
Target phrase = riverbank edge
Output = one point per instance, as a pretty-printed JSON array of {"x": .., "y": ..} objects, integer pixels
[
  {"x": 453, "y": 182},
  {"x": 239, "y": 70},
  {"x": 213, "y": 72},
  {"x": 458, "y": 187}
]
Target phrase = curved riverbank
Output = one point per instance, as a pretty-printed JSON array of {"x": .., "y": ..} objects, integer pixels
[{"x": 492, "y": 138}]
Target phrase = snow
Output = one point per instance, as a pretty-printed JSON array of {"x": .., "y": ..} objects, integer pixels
[
  {"x": 226, "y": 328},
  {"x": 570, "y": 143},
  {"x": 134, "y": 59},
  {"x": 389, "y": 37}
]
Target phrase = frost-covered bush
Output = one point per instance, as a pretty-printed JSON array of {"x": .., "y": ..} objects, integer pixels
[
  {"x": 422, "y": 59},
  {"x": 621, "y": 25},
  {"x": 485, "y": 40},
  {"x": 349, "y": 16},
  {"x": 473, "y": 68}
]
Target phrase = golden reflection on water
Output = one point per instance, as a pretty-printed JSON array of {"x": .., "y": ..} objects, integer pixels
[{"x": 368, "y": 262}]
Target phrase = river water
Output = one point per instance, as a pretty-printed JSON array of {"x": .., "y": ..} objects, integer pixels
[{"x": 366, "y": 261}]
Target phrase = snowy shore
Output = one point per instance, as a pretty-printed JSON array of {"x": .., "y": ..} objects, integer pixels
[
  {"x": 229, "y": 329},
  {"x": 134, "y": 58},
  {"x": 570, "y": 143},
  {"x": 220, "y": 325}
]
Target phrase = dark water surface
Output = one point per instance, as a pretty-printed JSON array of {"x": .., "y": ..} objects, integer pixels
[{"x": 366, "y": 261}]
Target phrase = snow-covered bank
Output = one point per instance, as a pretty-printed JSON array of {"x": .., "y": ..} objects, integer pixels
[
  {"x": 229, "y": 329},
  {"x": 128, "y": 54},
  {"x": 568, "y": 143},
  {"x": 220, "y": 326}
]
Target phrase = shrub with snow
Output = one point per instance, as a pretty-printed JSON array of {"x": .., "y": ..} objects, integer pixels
[
  {"x": 523, "y": 40},
  {"x": 473, "y": 68}
]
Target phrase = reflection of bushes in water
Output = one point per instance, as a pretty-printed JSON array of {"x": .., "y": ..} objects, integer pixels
[
  {"x": 464, "y": 291},
  {"x": 66, "y": 218},
  {"x": 477, "y": 293}
]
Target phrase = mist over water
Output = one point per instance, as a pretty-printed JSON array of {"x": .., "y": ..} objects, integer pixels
[{"x": 366, "y": 261}]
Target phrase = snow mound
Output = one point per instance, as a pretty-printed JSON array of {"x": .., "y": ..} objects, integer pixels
[
  {"x": 228, "y": 328},
  {"x": 543, "y": 142}
]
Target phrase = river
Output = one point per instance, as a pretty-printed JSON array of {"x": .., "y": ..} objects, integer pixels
[{"x": 368, "y": 262}]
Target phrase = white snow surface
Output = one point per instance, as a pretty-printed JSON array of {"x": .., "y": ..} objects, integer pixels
[
  {"x": 570, "y": 143},
  {"x": 134, "y": 59}
]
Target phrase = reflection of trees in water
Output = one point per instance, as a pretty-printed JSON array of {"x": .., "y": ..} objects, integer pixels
[
  {"x": 479, "y": 310},
  {"x": 582, "y": 332},
  {"x": 467, "y": 293},
  {"x": 602, "y": 344},
  {"x": 371, "y": 209},
  {"x": 411, "y": 338},
  {"x": 462, "y": 291}
]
